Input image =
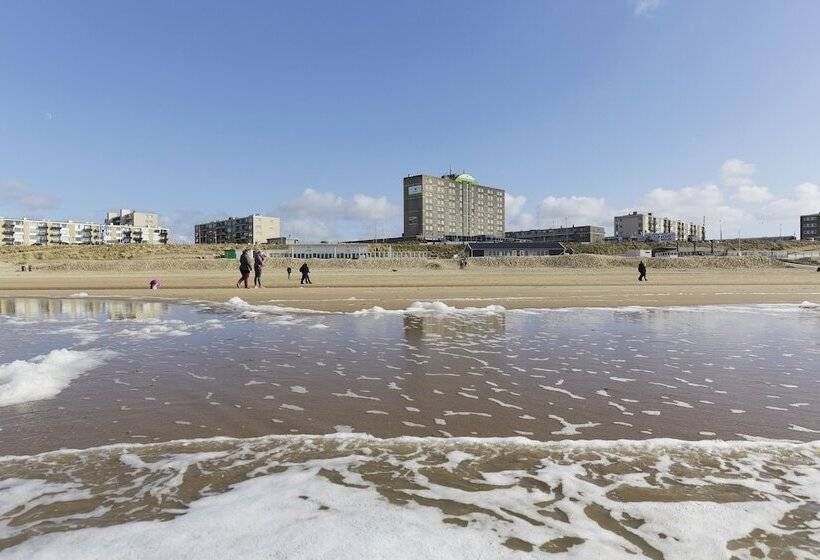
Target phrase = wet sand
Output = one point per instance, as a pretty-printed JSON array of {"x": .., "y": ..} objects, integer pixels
[
  {"x": 337, "y": 290},
  {"x": 496, "y": 434},
  {"x": 194, "y": 371}
]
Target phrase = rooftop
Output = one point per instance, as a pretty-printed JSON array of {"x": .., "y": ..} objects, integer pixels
[{"x": 466, "y": 178}]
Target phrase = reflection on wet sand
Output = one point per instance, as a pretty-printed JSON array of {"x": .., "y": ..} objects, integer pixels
[
  {"x": 417, "y": 327},
  {"x": 79, "y": 308}
]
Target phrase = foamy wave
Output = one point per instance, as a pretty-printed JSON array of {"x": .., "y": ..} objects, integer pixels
[
  {"x": 352, "y": 496},
  {"x": 432, "y": 308},
  {"x": 240, "y": 304},
  {"x": 43, "y": 377},
  {"x": 441, "y": 308},
  {"x": 416, "y": 308}
]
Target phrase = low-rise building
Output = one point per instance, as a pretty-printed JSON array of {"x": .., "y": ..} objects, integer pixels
[
  {"x": 638, "y": 253},
  {"x": 517, "y": 249},
  {"x": 810, "y": 226},
  {"x": 243, "y": 231},
  {"x": 322, "y": 251},
  {"x": 574, "y": 234},
  {"x": 282, "y": 241},
  {"x": 645, "y": 226}
]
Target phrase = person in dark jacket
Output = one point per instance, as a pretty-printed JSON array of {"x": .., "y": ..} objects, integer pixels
[
  {"x": 259, "y": 259},
  {"x": 245, "y": 267},
  {"x": 642, "y": 272},
  {"x": 289, "y": 271},
  {"x": 305, "y": 270}
]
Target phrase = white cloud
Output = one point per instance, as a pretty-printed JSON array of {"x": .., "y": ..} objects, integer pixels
[
  {"x": 306, "y": 229},
  {"x": 371, "y": 208},
  {"x": 805, "y": 200},
  {"x": 646, "y": 7},
  {"x": 515, "y": 213},
  {"x": 687, "y": 202},
  {"x": 24, "y": 197},
  {"x": 736, "y": 172},
  {"x": 752, "y": 193},
  {"x": 573, "y": 210},
  {"x": 326, "y": 215}
]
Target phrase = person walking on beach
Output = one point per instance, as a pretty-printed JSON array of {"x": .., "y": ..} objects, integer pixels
[
  {"x": 289, "y": 271},
  {"x": 245, "y": 267},
  {"x": 259, "y": 258},
  {"x": 642, "y": 272},
  {"x": 305, "y": 270}
]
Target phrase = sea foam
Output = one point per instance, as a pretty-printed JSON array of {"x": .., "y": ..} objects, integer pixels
[
  {"x": 432, "y": 308},
  {"x": 328, "y": 497},
  {"x": 45, "y": 376}
]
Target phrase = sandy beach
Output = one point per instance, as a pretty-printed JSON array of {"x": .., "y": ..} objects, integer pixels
[
  {"x": 350, "y": 290},
  {"x": 534, "y": 407}
]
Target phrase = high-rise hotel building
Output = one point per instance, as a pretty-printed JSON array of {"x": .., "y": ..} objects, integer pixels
[{"x": 454, "y": 207}]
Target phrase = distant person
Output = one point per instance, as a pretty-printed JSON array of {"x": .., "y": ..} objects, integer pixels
[
  {"x": 642, "y": 272},
  {"x": 259, "y": 258},
  {"x": 290, "y": 270},
  {"x": 305, "y": 270},
  {"x": 154, "y": 284},
  {"x": 245, "y": 267}
]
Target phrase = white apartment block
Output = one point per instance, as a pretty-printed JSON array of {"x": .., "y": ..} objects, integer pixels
[
  {"x": 25, "y": 231},
  {"x": 647, "y": 226}
]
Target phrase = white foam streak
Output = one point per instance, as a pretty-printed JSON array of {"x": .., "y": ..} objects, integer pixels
[
  {"x": 432, "y": 308},
  {"x": 302, "y": 512},
  {"x": 45, "y": 376}
]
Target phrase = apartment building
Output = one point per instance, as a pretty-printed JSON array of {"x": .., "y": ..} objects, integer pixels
[
  {"x": 241, "y": 231},
  {"x": 575, "y": 234},
  {"x": 25, "y": 231},
  {"x": 646, "y": 226},
  {"x": 810, "y": 226},
  {"x": 126, "y": 217},
  {"x": 452, "y": 207}
]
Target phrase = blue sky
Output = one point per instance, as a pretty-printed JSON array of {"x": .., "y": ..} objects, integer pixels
[{"x": 316, "y": 110}]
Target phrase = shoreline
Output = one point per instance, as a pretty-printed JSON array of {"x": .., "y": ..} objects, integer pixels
[
  {"x": 347, "y": 291},
  {"x": 647, "y": 444}
]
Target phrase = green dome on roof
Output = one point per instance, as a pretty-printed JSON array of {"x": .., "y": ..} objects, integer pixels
[{"x": 466, "y": 178}]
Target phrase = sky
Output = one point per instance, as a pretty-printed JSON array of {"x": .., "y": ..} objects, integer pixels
[{"x": 315, "y": 111}]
